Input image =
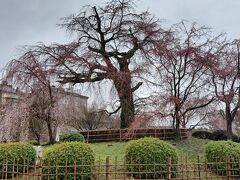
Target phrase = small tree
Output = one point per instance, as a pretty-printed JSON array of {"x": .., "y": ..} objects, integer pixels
[
  {"x": 183, "y": 86},
  {"x": 87, "y": 119},
  {"x": 38, "y": 110},
  {"x": 34, "y": 78},
  {"x": 225, "y": 73}
]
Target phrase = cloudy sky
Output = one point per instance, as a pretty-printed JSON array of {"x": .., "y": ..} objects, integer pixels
[{"x": 26, "y": 22}]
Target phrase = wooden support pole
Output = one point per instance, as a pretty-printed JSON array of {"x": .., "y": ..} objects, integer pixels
[{"x": 108, "y": 175}]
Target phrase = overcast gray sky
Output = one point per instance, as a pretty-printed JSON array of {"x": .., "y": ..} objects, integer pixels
[{"x": 26, "y": 22}]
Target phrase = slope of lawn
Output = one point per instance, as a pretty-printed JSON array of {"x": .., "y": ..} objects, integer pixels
[
  {"x": 115, "y": 150},
  {"x": 189, "y": 149}
]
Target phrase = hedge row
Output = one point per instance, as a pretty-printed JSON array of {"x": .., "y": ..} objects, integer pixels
[
  {"x": 144, "y": 151},
  {"x": 151, "y": 153},
  {"x": 215, "y": 135}
]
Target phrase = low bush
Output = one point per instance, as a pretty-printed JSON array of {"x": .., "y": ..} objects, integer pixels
[
  {"x": 201, "y": 134},
  {"x": 68, "y": 153},
  {"x": 219, "y": 152},
  {"x": 235, "y": 138},
  {"x": 72, "y": 136},
  {"x": 16, "y": 153},
  {"x": 33, "y": 142},
  {"x": 218, "y": 135},
  {"x": 150, "y": 151}
]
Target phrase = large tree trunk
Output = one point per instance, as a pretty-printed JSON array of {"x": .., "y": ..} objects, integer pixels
[
  {"x": 49, "y": 117},
  {"x": 178, "y": 122},
  {"x": 229, "y": 129},
  {"x": 50, "y": 129},
  {"x": 50, "y": 133},
  {"x": 124, "y": 89},
  {"x": 173, "y": 122},
  {"x": 229, "y": 121},
  {"x": 127, "y": 111},
  {"x": 125, "y": 94}
]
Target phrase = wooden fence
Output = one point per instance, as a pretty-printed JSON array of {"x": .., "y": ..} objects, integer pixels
[
  {"x": 129, "y": 134},
  {"x": 114, "y": 170}
]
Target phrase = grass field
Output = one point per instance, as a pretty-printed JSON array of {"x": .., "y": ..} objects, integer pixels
[{"x": 190, "y": 149}]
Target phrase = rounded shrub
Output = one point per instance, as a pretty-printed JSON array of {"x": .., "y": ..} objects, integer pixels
[
  {"x": 68, "y": 153},
  {"x": 218, "y": 135},
  {"x": 147, "y": 155},
  {"x": 201, "y": 134},
  {"x": 222, "y": 135},
  {"x": 17, "y": 153},
  {"x": 218, "y": 153},
  {"x": 72, "y": 136}
]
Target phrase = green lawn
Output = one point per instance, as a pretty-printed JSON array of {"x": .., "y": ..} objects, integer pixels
[
  {"x": 115, "y": 150},
  {"x": 190, "y": 149}
]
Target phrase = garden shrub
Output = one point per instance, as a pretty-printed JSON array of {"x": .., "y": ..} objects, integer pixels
[
  {"x": 68, "y": 153},
  {"x": 222, "y": 135},
  {"x": 218, "y": 135},
  {"x": 72, "y": 136},
  {"x": 235, "y": 138},
  {"x": 33, "y": 142},
  {"x": 16, "y": 153},
  {"x": 150, "y": 151},
  {"x": 219, "y": 152},
  {"x": 201, "y": 134}
]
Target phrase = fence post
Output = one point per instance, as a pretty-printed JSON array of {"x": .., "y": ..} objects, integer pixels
[
  {"x": 75, "y": 170},
  {"x": 87, "y": 136},
  {"x": 239, "y": 168},
  {"x": 107, "y": 168},
  {"x": 124, "y": 169},
  {"x": 164, "y": 134},
  {"x": 229, "y": 174},
  {"x": 120, "y": 135},
  {"x": 99, "y": 170},
  {"x": 186, "y": 165},
  {"x": 168, "y": 169},
  {"x": 40, "y": 169},
  {"x": 6, "y": 165},
  {"x": 198, "y": 167},
  {"x": 56, "y": 175}
]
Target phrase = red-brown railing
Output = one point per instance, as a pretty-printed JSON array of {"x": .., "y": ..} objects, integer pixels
[{"x": 130, "y": 134}]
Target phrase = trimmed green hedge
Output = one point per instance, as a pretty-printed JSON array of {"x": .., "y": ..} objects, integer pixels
[
  {"x": 68, "y": 153},
  {"x": 219, "y": 152},
  {"x": 150, "y": 151},
  {"x": 72, "y": 136},
  {"x": 17, "y": 153}
]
